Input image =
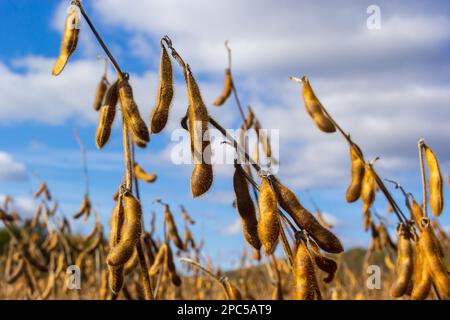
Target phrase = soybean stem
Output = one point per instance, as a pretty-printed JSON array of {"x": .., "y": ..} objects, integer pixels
[
  {"x": 98, "y": 37},
  {"x": 421, "y": 147},
  {"x": 398, "y": 212}
]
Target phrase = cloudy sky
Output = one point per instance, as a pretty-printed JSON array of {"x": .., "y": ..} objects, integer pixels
[{"x": 387, "y": 87}]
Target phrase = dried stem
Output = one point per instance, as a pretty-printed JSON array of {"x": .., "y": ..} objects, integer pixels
[
  {"x": 98, "y": 37},
  {"x": 219, "y": 280},
  {"x": 421, "y": 147}
]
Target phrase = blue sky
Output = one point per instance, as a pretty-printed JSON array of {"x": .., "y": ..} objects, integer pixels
[{"x": 388, "y": 88}]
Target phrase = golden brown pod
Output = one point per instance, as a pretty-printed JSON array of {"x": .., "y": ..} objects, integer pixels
[
  {"x": 305, "y": 220},
  {"x": 54, "y": 242},
  {"x": 304, "y": 274},
  {"x": 246, "y": 209},
  {"x": 85, "y": 208},
  {"x": 186, "y": 216},
  {"x": 69, "y": 41},
  {"x": 354, "y": 190},
  {"x": 388, "y": 262},
  {"x": 140, "y": 174},
  {"x": 172, "y": 228},
  {"x": 40, "y": 190},
  {"x": 115, "y": 278},
  {"x": 107, "y": 115},
  {"x": 123, "y": 250},
  {"x": 176, "y": 280},
  {"x": 202, "y": 174},
  {"x": 227, "y": 88},
  {"x": 436, "y": 183},
  {"x": 159, "y": 259},
  {"x": 37, "y": 215},
  {"x": 137, "y": 126},
  {"x": 368, "y": 189},
  {"x": 131, "y": 264},
  {"x": 250, "y": 119},
  {"x": 232, "y": 291},
  {"x": 422, "y": 277},
  {"x": 315, "y": 109},
  {"x": 323, "y": 263},
  {"x": 405, "y": 263},
  {"x": 269, "y": 221},
  {"x": 436, "y": 266},
  {"x": 100, "y": 92},
  {"x": 160, "y": 112},
  {"x": 188, "y": 239},
  {"x": 416, "y": 212}
]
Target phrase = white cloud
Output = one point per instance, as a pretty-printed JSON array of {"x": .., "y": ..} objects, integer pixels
[
  {"x": 233, "y": 228},
  {"x": 10, "y": 169}
]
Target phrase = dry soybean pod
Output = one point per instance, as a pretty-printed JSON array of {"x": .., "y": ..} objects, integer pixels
[
  {"x": 198, "y": 119},
  {"x": 323, "y": 263},
  {"x": 115, "y": 274},
  {"x": 422, "y": 278},
  {"x": 314, "y": 107},
  {"x": 417, "y": 214},
  {"x": 304, "y": 273},
  {"x": 188, "y": 239},
  {"x": 174, "y": 277},
  {"x": 186, "y": 216},
  {"x": 227, "y": 88},
  {"x": 107, "y": 115},
  {"x": 437, "y": 268},
  {"x": 138, "y": 128},
  {"x": 122, "y": 252},
  {"x": 159, "y": 259},
  {"x": 140, "y": 174},
  {"x": 354, "y": 190},
  {"x": 69, "y": 41},
  {"x": 100, "y": 92},
  {"x": 246, "y": 209},
  {"x": 131, "y": 264},
  {"x": 172, "y": 228},
  {"x": 405, "y": 263},
  {"x": 40, "y": 190},
  {"x": 37, "y": 215},
  {"x": 231, "y": 290},
  {"x": 160, "y": 112},
  {"x": 85, "y": 208},
  {"x": 269, "y": 221},
  {"x": 436, "y": 183},
  {"x": 368, "y": 188},
  {"x": 305, "y": 220}
]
